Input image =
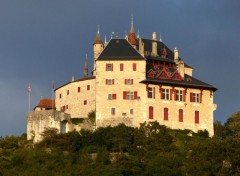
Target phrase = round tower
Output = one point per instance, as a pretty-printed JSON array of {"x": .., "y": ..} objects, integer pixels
[{"x": 97, "y": 49}]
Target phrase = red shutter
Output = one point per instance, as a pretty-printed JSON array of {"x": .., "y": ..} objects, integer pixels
[
  {"x": 112, "y": 67},
  {"x": 132, "y": 81},
  {"x": 165, "y": 113},
  {"x": 106, "y": 81},
  {"x": 180, "y": 114},
  {"x": 161, "y": 97},
  {"x": 191, "y": 97},
  {"x": 125, "y": 81},
  {"x": 184, "y": 95},
  {"x": 200, "y": 97},
  {"x": 134, "y": 66},
  {"x": 171, "y": 91},
  {"x": 135, "y": 95},
  {"x": 175, "y": 94},
  {"x": 121, "y": 67},
  {"x": 114, "y": 96},
  {"x": 153, "y": 92},
  {"x": 196, "y": 116},
  {"x": 112, "y": 81},
  {"x": 124, "y": 95},
  {"x": 106, "y": 67},
  {"x": 150, "y": 112}
]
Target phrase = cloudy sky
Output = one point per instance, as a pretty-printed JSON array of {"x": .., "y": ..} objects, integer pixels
[{"x": 45, "y": 40}]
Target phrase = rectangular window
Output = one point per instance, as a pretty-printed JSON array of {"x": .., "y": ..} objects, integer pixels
[
  {"x": 112, "y": 96},
  {"x": 88, "y": 87},
  {"x": 130, "y": 95},
  {"x": 195, "y": 97},
  {"x": 128, "y": 81},
  {"x": 150, "y": 116},
  {"x": 134, "y": 67},
  {"x": 179, "y": 95},
  {"x": 165, "y": 113},
  {"x": 109, "y": 81},
  {"x": 131, "y": 111},
  {"x": 180, "y": 115},
  {"x": 109, "y": 67},
  {"x": 113, "y": 111},
  {"x": 66, "y": 106},
  {"x": 197, "y": 117},
  {"x": 60, "y": 96},
  {"x": 79, "y": 89},
  {"x": 151, "y": 92},
  {"x": 165, "y": 94},
  {"x": 67, "y": 92},
  {"x": 121, "y": 67},
  {"x": 85, "y": 102}
]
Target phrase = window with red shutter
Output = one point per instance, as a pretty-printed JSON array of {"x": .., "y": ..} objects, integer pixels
[
  {"x": 112, "y": 81},
  {"x": 197, "y": 117},
  {"x": 171, "y": 92},
  {"x": 132, "y": 81},
  {"x": 114, "y": 96},
  {"x": 79, "y": 89},
  {"x": 67, "y": 92},
  {"x": 88, "y": 87},
  {"x": 109, "y": 67},
  {"x": 180, "y": 115},
  {"x": 134, "y": 66},
  {"x": 165, "y": 113},
  {"x": 121, "y": 67},
  {"x": 85, "y": 102},
  {"x": 150, "y": 112},
  {"x": 60, "y": 96}
]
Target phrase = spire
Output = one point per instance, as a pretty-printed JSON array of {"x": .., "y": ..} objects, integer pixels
[
  {"x": 160, "y": 37},
  {"x": 131, "y": 37},
  {"x": 86, "y": 68},
  {"x": 138, "y": 36},
  {"x": 98, "y": 38}
]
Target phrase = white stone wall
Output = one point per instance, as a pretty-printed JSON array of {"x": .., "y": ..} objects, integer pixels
[
  {"x": 141, "y": 106},
  {"x": 104, "y": 105},
  {"x": 74, "y": 100},
  {"x": 38, "y": 121}
]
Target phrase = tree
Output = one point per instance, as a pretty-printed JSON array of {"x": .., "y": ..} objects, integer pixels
[{"x": 233, "y": 125}]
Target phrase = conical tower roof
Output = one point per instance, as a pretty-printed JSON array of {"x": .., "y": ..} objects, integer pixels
[
  {"x": 98, "y": 38},
  {"x": 131, "y": 37}
]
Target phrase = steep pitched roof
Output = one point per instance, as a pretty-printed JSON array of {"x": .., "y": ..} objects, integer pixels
[
  {"x": 98, "y": 39},
  {"x": 120, "y": 49},
  {"x": 188, "y": 81},
  {"x": 160, "y": 48},
  {"x": 46, "y": 103}
]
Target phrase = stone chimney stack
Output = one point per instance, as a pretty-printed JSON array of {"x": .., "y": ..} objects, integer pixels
[
  {"x": 176, "y": 55},
  {"x": 141, "y": 47},
  {"x": 154, "y": 44},
  {"x": 181, "y": 68}
]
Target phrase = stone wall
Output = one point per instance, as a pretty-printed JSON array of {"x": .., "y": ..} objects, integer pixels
[
  {"x": 38, "y": 121},
  {"x": 77, "y": 98}
]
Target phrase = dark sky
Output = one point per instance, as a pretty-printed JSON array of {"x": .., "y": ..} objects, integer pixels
[{"x": 45, "y": 40}]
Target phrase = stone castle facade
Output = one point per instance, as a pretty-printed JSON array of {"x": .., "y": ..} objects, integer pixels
[{"x": 136, "y": 80}]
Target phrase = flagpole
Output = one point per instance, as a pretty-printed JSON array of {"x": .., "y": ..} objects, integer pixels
[
  {"x": 29, "y": 97},
  {"x": 29, "y": 94}
]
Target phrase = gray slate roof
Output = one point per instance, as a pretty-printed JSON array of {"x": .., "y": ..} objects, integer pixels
[{"x": 120, "y": 49}]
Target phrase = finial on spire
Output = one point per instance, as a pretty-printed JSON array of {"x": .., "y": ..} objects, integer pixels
[
  {"x": 98, "y": 29},
  {"x": 131, "y": 37},
  {"x": 105, "y": 39},
  {"x": 132, "y": 19},
  {"x": 138, "y": 36}
]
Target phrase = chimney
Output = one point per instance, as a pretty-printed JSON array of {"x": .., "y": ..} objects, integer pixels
[
  {"x": 175, "y": 55},
  {"x": 154, "y": 44},
  {"x": 73, "y": 78},
  {"x": 141, "y": 47},
  {"x": 181, "y": 68}
]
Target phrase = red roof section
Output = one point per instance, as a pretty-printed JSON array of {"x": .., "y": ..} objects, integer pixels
[{"x": 46, "y": 103}]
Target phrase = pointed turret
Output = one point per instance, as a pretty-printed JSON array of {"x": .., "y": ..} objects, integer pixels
[
  {"x": 131, "y": 37},
  {"x": 97, "y": 49},
  {"x": 86, "y": 68},
  {"x": 98, "y": 39}
]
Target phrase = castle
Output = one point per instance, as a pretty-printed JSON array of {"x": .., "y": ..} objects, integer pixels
[{"x": 133, "y": 80}]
